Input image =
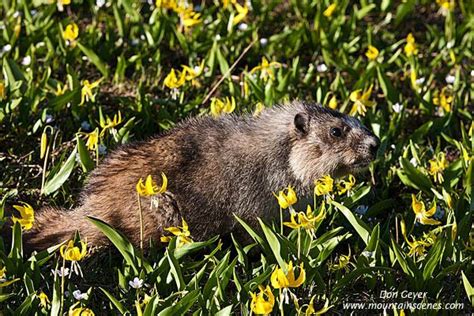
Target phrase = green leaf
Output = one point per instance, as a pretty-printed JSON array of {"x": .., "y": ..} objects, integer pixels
[
  {"x": 94, "y": 59},
  {"x": 413, "y": 177},
  {"x": 226, "y": 311},
  {"x": 468, "y": 287},
  {"x": 401, "y": 259},
  {"x": 433, "y": 258},
  {"x": 274, "y": 243},
  {"x": 86, "y": 162},
  {"x": 361, "y": 228},
  {"x": 114, "y": 301},
  {"x": 181, "y": 307},
  {"x": 175, "y": 270},
  {"x": 59, "y": 178}
]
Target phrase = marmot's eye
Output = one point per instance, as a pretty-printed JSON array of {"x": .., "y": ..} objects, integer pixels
[{"x": 336, "y": 132}]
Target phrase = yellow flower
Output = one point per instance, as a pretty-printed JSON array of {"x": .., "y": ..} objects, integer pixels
[
  {"x": 70, "y": 252},
  {"x": 266, "y": 69},
  {"x": 308, "y": 220},
  {"x": 190, "y": 18},
  {"x": 281, "y": 280},
  {"x": 44, "y": 300},
  {"x": 150, "y": 187},
  {"x": 81, "y": 311},
  {"x": 71, "y": 32},
  {"x": 372, "y": 52},
  {"x": 171, "y": 81},
  {"x": 27, "y": 215},
  {"x": 443, "y": 99},
  {"x": 109, "y": 123},
  {"x": 324, "y": 185},
  {"x": 43, "y": 144},
  {"x": 2, "y": 91},
  {"x": 421, "y": 214},
  {"x": 344, "y": 186},
  {"x": 62, "y": 3},
  {"x": 192, "y": 73},
  {"x": 410, "y": 47},
  {"x": 413, "y": 79},
  {"x": 86, "y": 90},
  {"x": 259, "y": 107},
  {"x": 242, "y": 12},
  {"x": 167, "y": 4},
  {"x": 437, "y": 166},
  {"x": 361, "y": 101},
  {"x": 342, "y": 263},
  {"x": 333, "y": 103},
  {"x": 3, "y": 272},
  {"x": 330, "y": 10},
  {"x": 262, "y": 303},
  {"x": 60, "y": 90},
  {"x": 417, "y": 247},
  {"x": 182, "y": 233},
  {"x": 65, "y": 2},
  {"x": 311, "y": 311},
  {"x": 285, "y": 200},
  {"x": 218, "y": 106},
  {"x": 92, "y": 139},
  {"x": 447, "y": 5}
]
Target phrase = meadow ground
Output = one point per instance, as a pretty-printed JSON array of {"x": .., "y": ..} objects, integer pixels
[{"x": 81, "y": 77}]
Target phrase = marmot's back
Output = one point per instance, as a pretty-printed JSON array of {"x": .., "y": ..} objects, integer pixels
[{"x": 216, "y": 168}]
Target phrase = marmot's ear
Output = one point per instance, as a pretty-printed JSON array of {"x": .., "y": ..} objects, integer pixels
[{"x": 302, "y": 123}]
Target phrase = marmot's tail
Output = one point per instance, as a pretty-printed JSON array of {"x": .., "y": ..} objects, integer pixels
[{"x": 53, "y": 226}]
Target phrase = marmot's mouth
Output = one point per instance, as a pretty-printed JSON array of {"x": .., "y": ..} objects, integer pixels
[{"x": 361, "y": 164}]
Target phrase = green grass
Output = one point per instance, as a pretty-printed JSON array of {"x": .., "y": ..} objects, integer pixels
[{"x": 131, "y": 46}]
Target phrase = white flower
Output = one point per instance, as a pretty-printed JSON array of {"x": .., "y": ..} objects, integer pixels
[
  {"x": 80, "y": 296},
  {"x": 472, "y": 73},
  {"x": 102, "y": 149},
  {"x": 16, "y": 14},
  {"x": 414, "y": 162},
  {"x": 100, "y": 3},
  {"x": 450, "y": 44},
  {"x": 420, "y": 80},
  {"x": 48, "y": 119},
  {"x": 26, "y": 61},
  {"x": 397, "y": 107},
  {"x": 136, "y": 283},
  {"x": 322, "y": 67},
  {"x": 263, "y": 41},
  {"x": 243, "y": 26},
  {"x": 61, "y": 272},
  {"x": 361, "y": 209},
  {"x": 218, "y": 37},
  {"x": 450, "y": 79},
  {"x": 135, "y": 42},
  {"x": 7, "y": 48}
]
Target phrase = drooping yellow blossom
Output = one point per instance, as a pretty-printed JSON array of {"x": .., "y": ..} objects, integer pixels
[
  {"x": 443, "y": 99},
  {"x": 71, "y": 32},
  {"x": 3, "y": 272},
  {"x": 110, "y": 123},
  {"x": 421, "y": 214},
  {"x": 306, "y": 221},
  {"x": 413, "y": 79},
  {"x": 2, "y": 91},
  {"x": 266, "y": 69},
  {"x": 27, "y": 215},
  {"x": 166, "y": 4},
  {"x": 447, "y": 5},
  {"x": 242, "y": 12},
  {"x": 150, "y": 188},
  {"x": 192, "y": 73},
  {"x": 81, "y": 311},
  {"x": 417, "y": 247},
  {"x": 310, "y": 310},
  {"x": 92, "y": 139},
  {"x": 86, "y": 90},
  {"x": 171, "y": 81},
  {"x": 70, "y": 252},
  {"x": 281, "y": 280},
  {"x": 343, "y": 186},
  {"x": 361, "y": 101},
  {"x": 262, "y": 303},
  {"x": 44, "y": 300},
  {"x": 437, "y": 166},
  {"x": 330, "y": 10},
  {"x": 410, "y": 47},
  {"x": 285, "y": 200},
  {"x": 181, "y": 232},
  {"x": 225, "y": 3},
  {"x": 342, "y": 262},
  {"x": 43, "y": 144},
  {"x": 62, "y": 3},
  {"x": 60, "y": 90},
  {"x": 324, "y": 185},
  {"x": 372, "y": 52},
  {"x": 259, "y": 107},
  {"x": 219, "y": 107},
  {"x": 333, "y": 103}
]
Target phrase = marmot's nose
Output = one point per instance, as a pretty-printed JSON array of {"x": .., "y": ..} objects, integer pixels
[{"x": 374, "y": 146}]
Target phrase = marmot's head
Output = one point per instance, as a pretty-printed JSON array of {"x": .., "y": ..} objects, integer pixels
[{"x": 329, "y": 142}]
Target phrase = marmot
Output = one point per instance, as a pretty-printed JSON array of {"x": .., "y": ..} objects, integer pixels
[{"x": 216, "y": 167}]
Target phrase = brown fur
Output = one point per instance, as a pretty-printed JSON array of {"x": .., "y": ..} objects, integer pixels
[{"x": 216, "y": 167}]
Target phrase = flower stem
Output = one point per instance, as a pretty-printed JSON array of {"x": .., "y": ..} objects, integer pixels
[
  {"x": 281, "y": 303},
  {"x": 141, "y": 222},
  {"x": 62, "y": 287},
  {"x": 299, "y": 242},
  {"x": 281, "y": 221}
]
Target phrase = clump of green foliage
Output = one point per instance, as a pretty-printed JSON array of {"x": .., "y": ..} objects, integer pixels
[{"x": 81, "y": 77}]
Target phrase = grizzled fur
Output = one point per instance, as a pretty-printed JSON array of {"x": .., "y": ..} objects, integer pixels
[{"x": 216, "y": 167}]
